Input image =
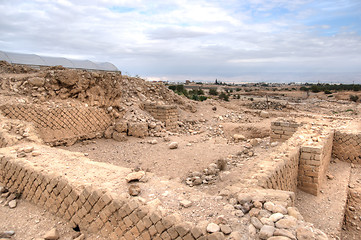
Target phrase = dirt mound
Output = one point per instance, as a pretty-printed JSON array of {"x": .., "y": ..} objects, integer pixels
[
  {"x": 102, "y": 89},
  {"x": 6, "y": 67}
]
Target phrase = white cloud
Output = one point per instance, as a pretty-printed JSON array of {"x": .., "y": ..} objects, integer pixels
[{"x": 183, "y": 37}]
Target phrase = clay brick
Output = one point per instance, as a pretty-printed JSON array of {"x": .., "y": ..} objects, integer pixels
[
  {"x": 134, "y": 231},
  {"x": 145, "y": 235},
  {"x": 147, "y": 222},
  {"x": 127, "y": 222},
  {"x": 94, "y": 197},
  {"x": 190, "y": 237},
  {"x": 133, "y": 217},
  {"x": 152, "y": 231},
  {"x": 140, "y": 225},
  {"x": 119, "y": 231},
  {"x": 115, "y": 205},
  {"x": 113, "y": 236},
  {"x": 155, "y": 217},
  {"x": 160, "y": 227}
]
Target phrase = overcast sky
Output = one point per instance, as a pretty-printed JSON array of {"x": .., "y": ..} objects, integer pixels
[{"x": 232, "y": 40}]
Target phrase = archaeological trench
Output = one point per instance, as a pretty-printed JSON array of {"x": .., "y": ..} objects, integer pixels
[{"x": 44, "y": 109}]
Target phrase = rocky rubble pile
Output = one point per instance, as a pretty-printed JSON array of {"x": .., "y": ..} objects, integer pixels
[
  {"x": 263, "y": 105},
  {"x": 274, "y": 221},
  {"x": 208, "y": 176},
  {"x": 13, "y": 131},
  {"x": 9, "y": 68},
  {"x": 136, "y": 123},
  {"x": 102, "y": 89},
  {"x": 7, "y": 198},
  {"x": 191, "y": 127}
]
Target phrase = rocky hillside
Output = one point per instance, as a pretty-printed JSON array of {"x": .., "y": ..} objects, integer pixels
[{"x": 103, "y": 89}]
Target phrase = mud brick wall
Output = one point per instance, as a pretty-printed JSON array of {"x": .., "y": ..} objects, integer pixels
[
  {"x": 283, "y": 175},
  {"x": 282, "y": 130},
  {"x": 314, "y": 161},
  {"x": 352, "y": 219},
  {"x": 61, "y": 125},
  {"x": 91, "y": 209},
  {"x": 347, "y": 146},
  {"x": 3, "y": 141},
  {"x": 165, "y": 113}
]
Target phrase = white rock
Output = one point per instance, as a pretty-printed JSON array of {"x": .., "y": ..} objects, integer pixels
[
  {"x": 276, "y": 216},
  {"x": 185, "y": 203},
  {"x": 135, "y": 176},
  {"x": 212, "y": 227},
  {"x": 53, "y": 234},
  {"x": 173, "y": 145},
  {"x": 12, "y": 203}
]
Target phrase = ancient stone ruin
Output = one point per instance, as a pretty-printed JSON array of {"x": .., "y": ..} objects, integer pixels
[{"x": 249, "y": 194}]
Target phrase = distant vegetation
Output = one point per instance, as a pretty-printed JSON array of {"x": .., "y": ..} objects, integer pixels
[
  {"x": 327, "y": 88},
  {"x": 196, "y": 94}
]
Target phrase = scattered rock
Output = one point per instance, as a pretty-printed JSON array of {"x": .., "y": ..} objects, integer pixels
[
  {"x": 21, "y": 154},
  {"x": 284, "y": 233},
  {"x": 269, "y": 206},
  {"x": 266, "y": 232},
  {"x": 7, "y": 234},
  {"x": 53, "y": 234},
  {"x": 12, "y": 204},
  {"x": 292, "y": 211},
  {"x": 256, "y": 222},
  {"x": 264, "y": 114},
  {"x": 330, "y": 177},
  {"x": 120, "y": 137},
  {"x": 239, "y": 137},
  {"x": 173, "y": 145},
  {"x": 304, "y": 233},
  {"x": 185, "y": 203},
  {"x": 135, "y": 176},
  {"x": 276, "y": 216},
  {"x": 226, "y": 229},
  {"x": 153, "y": 142},
  {"x": 279, "y": 209},
  {"x": 81, "y": 237},
  {"x": 287, "y": 223},
  {"x": 212, "y": 228},
  {"x": 2, "y": 190},
  {"x": 134, "y": 190},
  {"x": 278, "y": 238}
]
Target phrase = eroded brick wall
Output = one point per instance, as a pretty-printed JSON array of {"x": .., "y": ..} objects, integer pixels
[
  {"x": 284, "y": 175},
  {"x": 165, "y": 113},
  {"x": 281, "y": 130},
  {"x": 61, "y": 125},
  {"x": 91, "y": 209},
  {"x": 347, "y": 146},
  {"x": 314, "y": 161}
]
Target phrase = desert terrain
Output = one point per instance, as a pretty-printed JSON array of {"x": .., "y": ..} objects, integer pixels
[{"x": 211, "y": 169}]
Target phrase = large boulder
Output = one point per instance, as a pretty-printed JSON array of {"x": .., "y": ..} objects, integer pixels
[
  {"x": 138, "y": 129},
  {"x": 121, "y": 126},
  {"x": 36, "y": 81}
]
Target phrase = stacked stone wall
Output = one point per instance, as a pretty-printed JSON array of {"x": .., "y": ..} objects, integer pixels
[
  {"x": 347, "y": 146},
  {"x": 165, "y": 113},
  {"x": 282, "y": 130},
  {"x": 314, "y": 161},
  {"x": 61, "y": 125}
]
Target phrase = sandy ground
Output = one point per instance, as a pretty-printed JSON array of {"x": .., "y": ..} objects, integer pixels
[
  {"x": 30, "y": 222},
  {"x": 326, "y": 210}
]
